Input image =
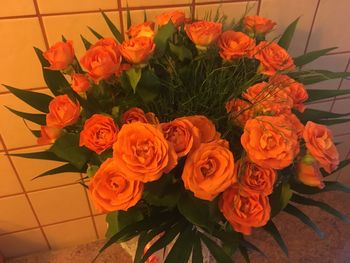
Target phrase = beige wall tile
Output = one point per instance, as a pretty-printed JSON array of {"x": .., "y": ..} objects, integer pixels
[
  {"x": 138, "y": 3},
  {"x": 58, "y": 6},
  {"x": 22, "y": 243},
  {"x": 59, "y": 204},
  {"x": 341, "y": 106},
  {"x": 283, "y": 12},
  {"x": 9, "y": 182},
  {"x": 16, "y": 214},
  {"x": 325, "y": 106},
  {"x": 331, "y": 26},
  {"x": 343, "y": 149},
  {"x": 101, "y": 225},
  {"x": 72, "y": 26},
  {"x": 17, "y": 54},
  {"x": 70, "y": 233},
  {"x": 17, "y": 8}
]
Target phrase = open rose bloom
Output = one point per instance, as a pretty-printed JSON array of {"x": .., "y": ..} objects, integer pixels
[{"x": 189, "y": 132}]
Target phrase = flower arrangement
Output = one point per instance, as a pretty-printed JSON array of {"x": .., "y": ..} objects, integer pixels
[{"x": 193, "y": 134}]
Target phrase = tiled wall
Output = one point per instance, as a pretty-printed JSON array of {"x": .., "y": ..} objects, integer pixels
[{"x": 54, "y": 212}]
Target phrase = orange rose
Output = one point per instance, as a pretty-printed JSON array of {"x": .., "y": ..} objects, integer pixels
[
  {"x": 319, "y": 142},
  {"x": 80, "y": 83},
  {"x": 240, "y": 111},
  {"x": 244, "y": 209},
  {"x": 182, "y": 134},
  {"x": 177, "y": 18},
  {"x": 298, "y": 127},
  {"x": 309, "y": 174},
  {"x": 268, "y": 99},
  {"x": 62, "y": 112},
  {"x": 273, "y": 58},
  {"x": 133, "y": 115},
  {"x": 137, "y": 50},
  {"x": 111, "y": 189},
  {"x": 203, "y": 33},
  {"x": 152, "y": 118},
  {"x": 145, "y": 29},
  {"x": 294, "y": 89},
  {"x": 207, "y": 130},
  {"x": 48, "y": 135},
  {"x": 99, "y": 133},
  {"x": 235, "y": 45},
  {"x": 102, "y": 60},
  {"x": 256, "y": 178},
  {"x": 142, "y": 152},
  {"x": 270, "y": 141},
  {"x": 60, "y": 55},
  {"x": 209, "y": 170},
  {"x": 258, "y": 24}
]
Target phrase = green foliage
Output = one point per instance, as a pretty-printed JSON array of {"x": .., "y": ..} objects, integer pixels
[
  {"x": 44, "y": 155},
  {"x": 148, "y": 86},
  {"x": 181, "y": 52},
  {"x": 134, "y": 76},
  {"x": 341, "y": 165},
  {"x": 320, "y": 116},
  {"x": 280, "y": 198},
  {"x": 217, "y": 252},
  {"x": 309, "y": 77},
  {"x": 311, "y": 56},
  {"x": 273, "y": 231},
  {"x": 36, "y": 118},
  {"x": 320, "y": 94},
  {"x": 329, "y": 186},
  {"x": 197, "y": 256},
  {"x": 163, "y": 36},
  {"x": 86, "y": 43},
  {"x": 116, "y": 33},
  {"x": 288, "y": 34},
  {"x": 96, "y": 34},
  {"x": 66, "y": 168}
]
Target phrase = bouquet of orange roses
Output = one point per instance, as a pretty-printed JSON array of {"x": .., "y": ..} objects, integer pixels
[{"x": 192, "y": 135}]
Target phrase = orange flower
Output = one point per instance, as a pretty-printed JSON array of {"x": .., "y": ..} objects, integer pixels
[
  {"x": 62, "y": 112},
  {"x": 256, "y": 178},
  {"x": 209, "y": 170},
  {"x": 80, "y": 83},
  {"x": 240, "y": 111},
  {"x": 309, "y": 174},
  {"x": 102, "y": 60},
  {"x": 48, "y": 135},
  {"x": 110, "y": 189},
  {"x": 99, "y": 133},
  {"x": 298, "y": 127},
  {"x": 268, "y": 99},
  {"x": 207, "y": 130},
  {"x": 137, "y": 50},
  {"x": 152, "y": 118},
  {"x": 294, "y": 89},
  {"x": 203, "y": 33},
  {"x": 60, "y": 55},
  {"x": 235, "y": 45},
  {"x": 258, "y": 24},
  {"x": 142, "y": 152},
  {"x": 244, "y": 209},
  {"x": 177, "y": 18},
  {"x": 182, "y": 134},
  {"x": 270, "y": 141},
  {"x": 273, "y": 58},
  {"x": 319, "y": 142},
  {"x": 133, "y": 115},
  {"x": 145, "y": 29}
]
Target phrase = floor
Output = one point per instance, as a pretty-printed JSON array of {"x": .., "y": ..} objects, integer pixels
[{"x": 304, "y": 245}]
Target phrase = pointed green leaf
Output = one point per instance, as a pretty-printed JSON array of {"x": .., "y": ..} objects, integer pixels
[
  {"x": 230, "y": 240},
  {"x": 251, "y": 246},
  {"x": 314, "y": 76},
  {"x": 134, "y": 76},
  {"x": 294, "y": 211},
  {"x": 181, "y": 52},
  {"x": 287, "y": 36},
  {"x": 311, "y": 56},
  {"x": 273, "y": 231},
  {"x": 341, "y": 165},
  {"x": 280, "y": 198},
  {"x": 325, "y": 207},
  {"x": 319, "y": 94},
  {"x": 197, "y": 255},
  {"x": 128, "y": 17},
  {"x": 144, "y": 16},
  {"x": 329, "y": 186},
  {"x": 149, "y": 86},
  {"x": 318, "y": 115},
  {"x": 244, "y": 253},
  {"x": 216, "y": 251},
  {"x": 116, "y": 33},
  {"x": 86, "y": 43},
  {"x": 332, "y": 121},
  {"x": 66, "y": 168},
  {"x": 36, "y": 133},
  {"x": 96, "y": 34},
  {"x": 44, "y": 155},
  {"x": 36, "y": 118},
  {"x": 163, "y": 36},
  {"x": 39, "y": 101},
  {"x": 181, "y": 250}
]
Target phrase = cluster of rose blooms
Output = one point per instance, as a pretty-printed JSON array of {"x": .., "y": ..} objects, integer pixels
[{"x": 144, "y": 149}]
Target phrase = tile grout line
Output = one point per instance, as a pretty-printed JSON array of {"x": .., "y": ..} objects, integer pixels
[
  {"x": 25, "y": 193},
  {"x": 259, "y": 7},
  {"x": 41, "y": 22},
  {"x": 193, "y": 6},
  {"x": 121, "y": 20},
  {"x": 312, "y": 26}
]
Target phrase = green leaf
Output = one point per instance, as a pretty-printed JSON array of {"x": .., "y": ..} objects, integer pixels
[
  {"x": 217, "y": 252},
  {"x": 318, "y": 115},
  {"x": 91, "y": 170},
  {"x": 332, "y": 122},
  {"x": 163, "y": 36},
  {"x": 86, "y": 43},
  {"x": 280, "y": 198},
  {"x": 273, "y": 231},
  {"x": 181, "y": 52},
  {"x": 37, "y": 100},
  {"x": 287, "y": 36},
  {"x": 195, "y": 210},
  {"x": 134, "y": 76},
  {"x": 325, "y": 207},
  {"x": 244, "y": 253},
  {"x": 116, "y": 33},
  {"x": 294, "y": 211},
  {"x": 67, "y": 147},
  {"x": 181, "y": 250},
  {"x": 341, "y": 165},
  {"x": 36, "y": 118},
  {"x": 314, "y": 76},
  {"x": 128, "y": 17},
  {"x": 44, "y": 155},
  {"x": 329, "y": 186},
  {"x": 197, "y": 256},
  {"x": 97, "y": 35},
  {"x": 149, "y": 86},
  {"x": 250, "y": 246},
  {"x": 319, "y": 94},
  {"x": 311, "y": 56},
  {"x": 230, "y": 240},
  {"x": 66, "y": 168},
  {"x": 144, "y": 16}
]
